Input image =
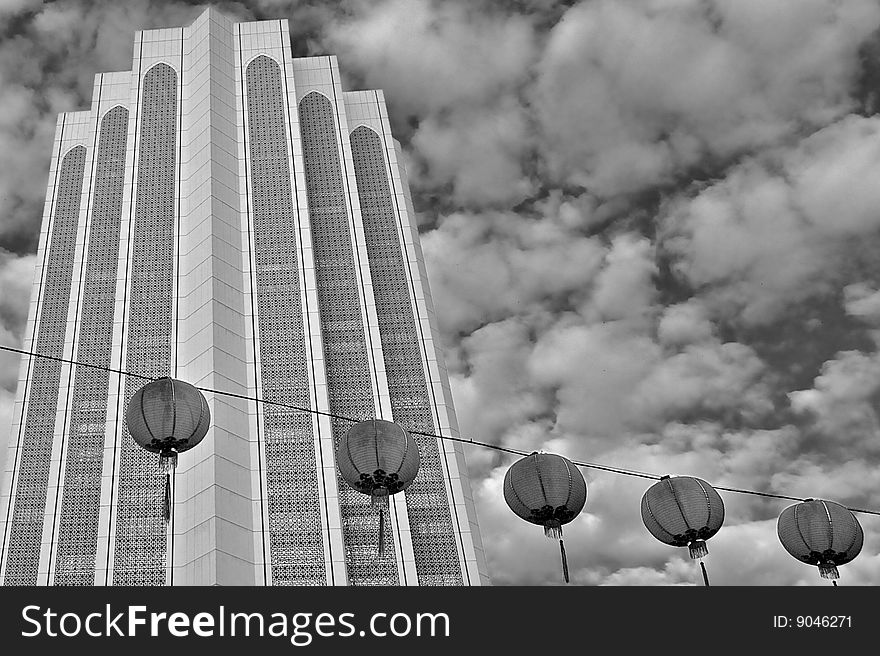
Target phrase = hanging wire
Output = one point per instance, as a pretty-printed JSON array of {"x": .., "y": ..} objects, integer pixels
[
  {"x": 586, "y": 465},
  {"x": 78, "y": 364}
]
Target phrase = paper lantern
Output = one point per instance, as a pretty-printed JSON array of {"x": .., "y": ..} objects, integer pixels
[
  {"x": 821, "y": 533},
  {"x": 683, "y": 511},
  {"x": 548, "y": 490},
  {"x": 168, "y": 417},
  {"x": 378, "y": 458}
]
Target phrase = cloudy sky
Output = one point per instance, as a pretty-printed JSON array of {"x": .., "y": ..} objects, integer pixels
[{"x": 651, "y": 228}]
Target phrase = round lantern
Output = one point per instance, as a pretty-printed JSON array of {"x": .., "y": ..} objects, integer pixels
[
  {"x": 548, "y": 490},
  {"x": 683, "y": 511},
  {"x": 821, "y": 533},
  {"x": 378, "y": 458},
  {"x": 168, "y": 417}
]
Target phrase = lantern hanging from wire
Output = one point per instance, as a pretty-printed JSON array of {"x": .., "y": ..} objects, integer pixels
[
  {"x": 167, "y": 417},
  {"x": 683, "y": 511},
  {"x": 378, "y": 458},
  {"x": 548, "y": 490},
  {"x": 821, "y": 533}
]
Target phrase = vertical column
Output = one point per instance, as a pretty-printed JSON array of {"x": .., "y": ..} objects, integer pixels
[
  {"x": 325, "y": 443},
  {"x": 350, "y": 382},
  {"x": 77, "y": 531},
  {"x": 127, "y": 88},
  {"x": 140, "y": 549},
  {"x": 418, "y": 387},
  {"x": 36, "y": 447},
  {"x": 451, "y": 453},
  {"x": 213, "y": 511},
  {"x": 294, "y": 513},
  {"x": 428, "y": 506}
]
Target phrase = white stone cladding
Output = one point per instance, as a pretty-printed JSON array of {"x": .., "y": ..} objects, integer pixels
[{"x": 233, "y": 524}]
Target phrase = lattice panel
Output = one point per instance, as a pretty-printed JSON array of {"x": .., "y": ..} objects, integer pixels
[
  {"x": 140, "y": 539},
  {"x": 430, "y": 519},
  {"x": 345, "y": 349},
  {"x": 26, "y": 529},
  {"x": 295, "y": 542},
  {"x": 78, "y": 522}
]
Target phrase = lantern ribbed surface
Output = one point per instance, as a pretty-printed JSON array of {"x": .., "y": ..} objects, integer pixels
[
  {"x": 378, "y": 457},
  {"x": 683, "y": 511},
  {"x": 545, "y": 489},
  {"x": 168, "y": 415},
  {"x": 821, "y": 533}
]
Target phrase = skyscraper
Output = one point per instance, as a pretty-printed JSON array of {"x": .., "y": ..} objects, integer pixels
[{"x": 228, "y": 215}]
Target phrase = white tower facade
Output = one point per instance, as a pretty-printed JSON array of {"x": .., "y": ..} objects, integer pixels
[{"x": 228, "y": 215}]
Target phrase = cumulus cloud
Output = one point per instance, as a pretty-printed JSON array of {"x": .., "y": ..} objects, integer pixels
[
  {"x": 593, "y": 371},
  {"x": 862, "y": 301},
  {"x": 496, "y": 396},
  {"x": 630, "y": 95},
  {"x": 741, "y": 238},
  {"x": 716, "y": 378},
  {"x": 428, "y": 56},
  {"x": 780, "y": 228},
  {"x": 453, "y": 71},
  {"x": 624, "y": 288},
  {"x": 842, "y": 401},
  {"x": 684, "y": 323},
  {"x": 11, "y": 7},
  {"x": 480, "y": 152},
  {"x": 488, "y": 266}
]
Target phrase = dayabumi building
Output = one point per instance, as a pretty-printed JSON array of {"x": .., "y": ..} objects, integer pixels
[{"x": 227, "y": 215}]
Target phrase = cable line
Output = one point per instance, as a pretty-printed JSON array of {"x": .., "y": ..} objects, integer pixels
[{"x": 587, "y": 465}]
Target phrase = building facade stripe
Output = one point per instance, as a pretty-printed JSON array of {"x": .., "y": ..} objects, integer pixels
[
  {"x": 323, "y": 458},
  {"x": 140, "y": 546},
  {"x": 172, "y": 482},
  {"x": 252, "y": 284},
  {"x": 433, "y": 533},
  {"x": 295, "y": 526},
  {"x": 125, "y": 256},
  {"x": 450, "y": 488},
  {"x": 349, "y": 383},
  {"x": 80, "y": 505},
  {"x": 30, "y": 341}
]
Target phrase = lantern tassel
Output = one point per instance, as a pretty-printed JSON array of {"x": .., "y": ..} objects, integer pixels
[
  {"x": 698, "y": 549},
  {"x": 564, "y": 560},
  {"x": 705, "y": 575},
  {"x": 553, "y": 531},
  {"x": 167, "y": 461},
  {"x": 828, "y": 571},
  {"x": 380, "y": 502},
  {"x": 381, "y": 531},
  {"x": 167, "y": 497}
]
